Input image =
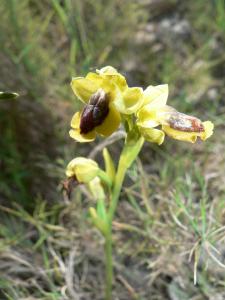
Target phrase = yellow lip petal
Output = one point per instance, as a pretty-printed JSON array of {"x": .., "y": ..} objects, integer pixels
[
  {"x": 190, "y": 137},
  {"x": 153, "y": 135},
  {"x": 75, "y": 122},
  {"x": 208, "y": 126},
  {"x": 83, "y": 88},
  {"x": 75, "y": 132},
  {"x": 82, "y": 138},
  {"x": 111, "y": 122}
]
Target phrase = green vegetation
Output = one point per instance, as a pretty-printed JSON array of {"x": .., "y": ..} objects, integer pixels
[{"x": 175, "y": 195}]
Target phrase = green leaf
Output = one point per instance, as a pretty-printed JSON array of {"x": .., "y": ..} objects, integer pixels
[
  {"x": 98, "y": 222},
  {"x": 8, "y": 95},
  {"x": 101, "y": 211},
  {"x": 109, "y": 165}
]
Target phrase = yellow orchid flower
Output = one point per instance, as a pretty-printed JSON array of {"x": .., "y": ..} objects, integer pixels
[
  {"x": 82, "y": 169},
  {"x": 177, "y": 125},
  {"x": 106, "y": 96}
]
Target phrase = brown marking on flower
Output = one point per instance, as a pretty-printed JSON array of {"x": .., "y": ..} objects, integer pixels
[
  {"x": 95, "y": 112},
  {"x": 185, "y": 123},
  {"x": 68, "y": 185}
]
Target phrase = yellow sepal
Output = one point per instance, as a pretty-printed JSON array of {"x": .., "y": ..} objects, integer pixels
[
  {"x": 84, "y": 88},
  {"x": 153, "y": 135},
  {"x": 130, "y": 101},
  {"x": 156, "y": 95}
]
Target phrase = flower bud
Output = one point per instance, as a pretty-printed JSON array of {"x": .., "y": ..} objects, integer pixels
[{"x": 83, "y": 169}]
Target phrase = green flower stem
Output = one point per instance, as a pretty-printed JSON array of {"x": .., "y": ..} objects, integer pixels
[
  {"x": 109, "y": 265},
  {"x": 108, "y": 237},
  {"x": 105, "y": 178},
  {"x": 117, "y": 189},
  {"x": 129, "y": 154}
]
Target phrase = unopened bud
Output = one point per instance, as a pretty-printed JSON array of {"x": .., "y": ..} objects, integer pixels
[{"x": 83, "y": 169}]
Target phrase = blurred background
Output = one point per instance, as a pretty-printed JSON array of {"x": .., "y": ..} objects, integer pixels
[{"x": 174, "y": 195}]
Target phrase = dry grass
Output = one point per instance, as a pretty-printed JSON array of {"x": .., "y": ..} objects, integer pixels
[{"x": 54, "y": 254}]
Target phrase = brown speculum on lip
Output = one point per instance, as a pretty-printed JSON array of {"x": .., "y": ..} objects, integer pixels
[
  {"x": 185, "y": 123},
  {"x": 95, "y": 112}
]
